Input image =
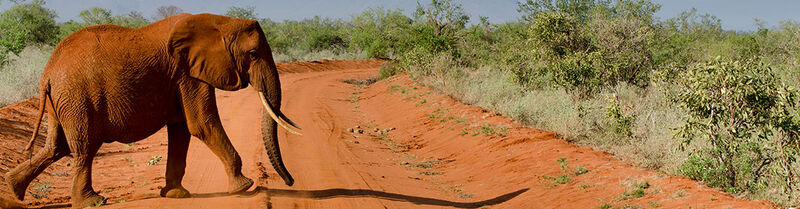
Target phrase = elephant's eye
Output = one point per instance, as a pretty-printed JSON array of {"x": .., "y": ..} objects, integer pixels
[{"x": 253, "y": 55}]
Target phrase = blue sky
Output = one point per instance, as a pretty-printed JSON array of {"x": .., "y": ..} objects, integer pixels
[{"x": 735, "y": 14}]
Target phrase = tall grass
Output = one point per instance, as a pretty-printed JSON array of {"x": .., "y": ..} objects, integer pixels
[
  {"x": 19, "y": 79},
  {"x": 297, "y": 54},
  {"x": 583, "y": 121}
]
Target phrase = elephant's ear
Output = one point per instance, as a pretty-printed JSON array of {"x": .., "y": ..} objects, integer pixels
[{"x": 197, "y": 44}]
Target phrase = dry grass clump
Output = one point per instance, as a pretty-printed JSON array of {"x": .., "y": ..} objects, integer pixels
[{"x": 19, "y": 79}]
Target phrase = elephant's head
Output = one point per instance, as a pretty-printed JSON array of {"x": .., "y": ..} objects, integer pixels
[{"x": 229, "y": 54}]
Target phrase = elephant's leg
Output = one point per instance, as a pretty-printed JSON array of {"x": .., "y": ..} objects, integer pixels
[
  {"x": 54, "y": 149},
  {"x": 202, "y": 119},
  {"x": 178, "y": 136},
  {"x": 83, "y": 152},
  {"x": 218, "y": 142}
]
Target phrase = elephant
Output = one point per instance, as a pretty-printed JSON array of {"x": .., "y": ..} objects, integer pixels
[{"x": 109, "y": 83}]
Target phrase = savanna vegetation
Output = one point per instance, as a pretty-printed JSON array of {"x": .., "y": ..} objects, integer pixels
[{"x": 680, "y": 95}]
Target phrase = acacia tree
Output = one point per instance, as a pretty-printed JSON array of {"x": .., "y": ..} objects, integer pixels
[
  {"x": 436, "y": 29},
  {"x": 579, "y": 9},
  {"x": 444, "y": 16},
  {"x": 242, "y": 12},
  {"x": 166, "y": 11},
  {"x": 132, "y": 20},
  {"x": 101, "y": 16},
  {"x": 96, "y": 16}
]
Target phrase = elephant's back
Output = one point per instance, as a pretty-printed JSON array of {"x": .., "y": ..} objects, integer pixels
[
  {"x": 99, "y": 43},
  {"x": 97, "y": 54},
  {"x": 81, "y": 52}
]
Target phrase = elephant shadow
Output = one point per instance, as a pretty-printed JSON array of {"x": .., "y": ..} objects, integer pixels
[{"x": 345, "y": 193}]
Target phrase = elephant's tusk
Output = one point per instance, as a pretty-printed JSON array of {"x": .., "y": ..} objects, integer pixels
[
  {"x": 275, "y": 117},
  {"x": 282, "y": 116}
]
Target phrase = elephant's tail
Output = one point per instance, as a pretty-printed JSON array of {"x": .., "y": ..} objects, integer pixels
[{"x": 44, "y": 94}]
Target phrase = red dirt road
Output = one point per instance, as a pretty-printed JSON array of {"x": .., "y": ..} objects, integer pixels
[{"x": 429, "y": 152}]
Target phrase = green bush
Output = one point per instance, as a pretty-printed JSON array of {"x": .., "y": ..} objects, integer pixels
[
  {"x": 586, "y": 50},
  {"x": 388, "y": 69},
  {"x": 379, "y": 32},
  {"x": 700, "y": 166},
  {"x": 623, "y": 43},
  {"x": 325, "y": 39},
  {"x": 309, "y": 35},
  {"x": 578, "y": 73},
  {"x": 557, "y": 34},
  {"x": 437, "y": 27},
  {"x": 26, "y": 24},
  {"x": 475, "y": 46},
  {"x": 511, "y": 53},
  {"x": 557, "y": 47},
  {"x": 748, "y": 119},
  {"x": 620, "y": 122}
]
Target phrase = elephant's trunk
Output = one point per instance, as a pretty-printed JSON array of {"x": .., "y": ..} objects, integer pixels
[
  {"x": 266, "y": 81},
  {"x": 269, "y": 130},
  {"x": 278, "y": 116}
]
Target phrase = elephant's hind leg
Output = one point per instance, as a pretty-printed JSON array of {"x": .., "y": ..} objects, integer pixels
[
  {"x": 83, "y": 152},
  {"x": 178, "y": 136},
  {"x": 54, "y": 149}
]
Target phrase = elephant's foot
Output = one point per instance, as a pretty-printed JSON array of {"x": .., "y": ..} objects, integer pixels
[
  {"x": 91, "y": 200},
  {"x": 175, "y": 192},
  {"x": 15, "y": 185},
  {"x": 240, "y": 184}
]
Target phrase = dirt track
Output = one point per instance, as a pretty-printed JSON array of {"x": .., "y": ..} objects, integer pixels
[{"x": 429, "y": 152}]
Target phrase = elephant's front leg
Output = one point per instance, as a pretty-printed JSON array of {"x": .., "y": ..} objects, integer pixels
[
  {"x": 202, "y": 120},
  {"x": 178, "y": 136},
  {"x": 217, "y": 140}
]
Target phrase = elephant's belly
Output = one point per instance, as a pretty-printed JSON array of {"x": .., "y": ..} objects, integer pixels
[
  {"x": 136, "y": 126},
  {"x": 133, "y": 133},
  {"x": 134, "y": 119}
]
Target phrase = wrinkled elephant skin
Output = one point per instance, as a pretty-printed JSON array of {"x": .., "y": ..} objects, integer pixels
[{"x": 109, "y": 83}]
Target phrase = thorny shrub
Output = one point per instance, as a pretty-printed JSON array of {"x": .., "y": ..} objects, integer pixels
[{"x": 749, "y": 120}]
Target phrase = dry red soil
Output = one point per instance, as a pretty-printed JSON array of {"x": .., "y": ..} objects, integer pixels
[{"x": 429, "y": 151}]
